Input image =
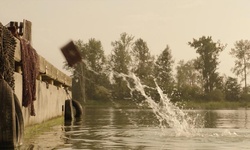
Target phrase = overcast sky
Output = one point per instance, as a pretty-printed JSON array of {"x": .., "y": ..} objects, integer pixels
[{"x": 158, "y": 22}]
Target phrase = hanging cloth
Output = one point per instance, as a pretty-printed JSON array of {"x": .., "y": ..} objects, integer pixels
[{"x": 30, "y": 68}]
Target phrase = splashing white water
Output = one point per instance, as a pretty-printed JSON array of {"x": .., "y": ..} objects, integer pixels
[{"x": 168, "y": 114}]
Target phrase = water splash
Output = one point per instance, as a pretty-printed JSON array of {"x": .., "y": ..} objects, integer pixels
[{"x": 167, "y": 113}]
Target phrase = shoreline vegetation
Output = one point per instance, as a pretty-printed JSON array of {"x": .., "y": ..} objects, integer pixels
[
  {"x": 209, "y": 105},
  {"x": 32, "y": 131},
  {"x": 131, "y": 67},
  {"x": 213, "y": 105}
]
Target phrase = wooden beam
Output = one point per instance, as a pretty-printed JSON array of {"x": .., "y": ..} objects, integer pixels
[{"x": 27, "y": 33}]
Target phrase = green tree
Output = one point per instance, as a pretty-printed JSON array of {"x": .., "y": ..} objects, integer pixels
[
  {"x": 188, "y": 80},
  {"x": 187, "y": 74},
  {"x": 232, "y": 89},
  {"x": 207, "y": 62},
  {"x": 164, "y": 71},
  {"x": 142, "y": 59},
  {"x": 96, "y": 80},
  {"x": 120, "y": 62},
  {"x": 95, "y": 55},
  {"x": 143, "y": 64},
  {"x": 120, "y": 54},
  {"x": 241, "y": 52}
]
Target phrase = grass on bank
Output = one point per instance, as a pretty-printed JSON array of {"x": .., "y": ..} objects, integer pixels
[
  {"x": 111, "y": 103},
  {"x": 34, "y": 130},
  {"x": 215, "y": 105},
  {"x": 185, "y": 105}
]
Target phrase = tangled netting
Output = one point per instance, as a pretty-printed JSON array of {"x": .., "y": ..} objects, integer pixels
[
  {"x": 30, "y": 67},
  {"x": 7, "y": 52},
  {"x": 29, "y": 64}
]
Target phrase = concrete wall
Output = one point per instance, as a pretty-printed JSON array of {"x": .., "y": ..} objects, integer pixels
[
  {"x": 50, "y": 85},
  {"x": 50, "y": 101},
  {"x": 48, "y": 104}
]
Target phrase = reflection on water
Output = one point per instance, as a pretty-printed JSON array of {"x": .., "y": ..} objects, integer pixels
[
  {"x": 227, "y": 119},
  {"x": 112, "y": 128}
]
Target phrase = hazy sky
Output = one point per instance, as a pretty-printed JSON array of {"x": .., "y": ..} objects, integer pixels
[{"x": 158, "y": 22}]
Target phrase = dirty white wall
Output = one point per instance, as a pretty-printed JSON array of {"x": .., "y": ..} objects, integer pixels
[{"x": 48, "y": 104}]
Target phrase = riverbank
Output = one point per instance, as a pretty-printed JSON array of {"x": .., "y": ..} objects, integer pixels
[
  {"x": 211, "y": 105},
  {"x": 33, "y": 131}
]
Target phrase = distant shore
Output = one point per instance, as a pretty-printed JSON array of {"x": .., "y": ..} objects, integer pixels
[
  {"x": 184, "y": 105},
  {"x": 215, "y": 105}
]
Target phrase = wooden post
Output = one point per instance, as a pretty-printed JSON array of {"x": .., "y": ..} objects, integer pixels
[{"x": 27, "y": 30}]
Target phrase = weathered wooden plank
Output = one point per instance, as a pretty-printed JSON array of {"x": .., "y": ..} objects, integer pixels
[
  {"x": 27, "y": 25},
  {"x": 42, "y": 65},
  {"x": 17, "y": 56}
]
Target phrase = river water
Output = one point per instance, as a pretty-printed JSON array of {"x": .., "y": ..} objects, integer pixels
[{"x": 110, "y": 128}]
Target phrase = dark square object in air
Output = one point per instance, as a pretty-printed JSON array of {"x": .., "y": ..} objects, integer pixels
[{"x": 71, "y": 53}]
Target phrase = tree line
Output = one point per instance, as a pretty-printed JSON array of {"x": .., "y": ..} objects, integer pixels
[{"x": 195, "y": 80}]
